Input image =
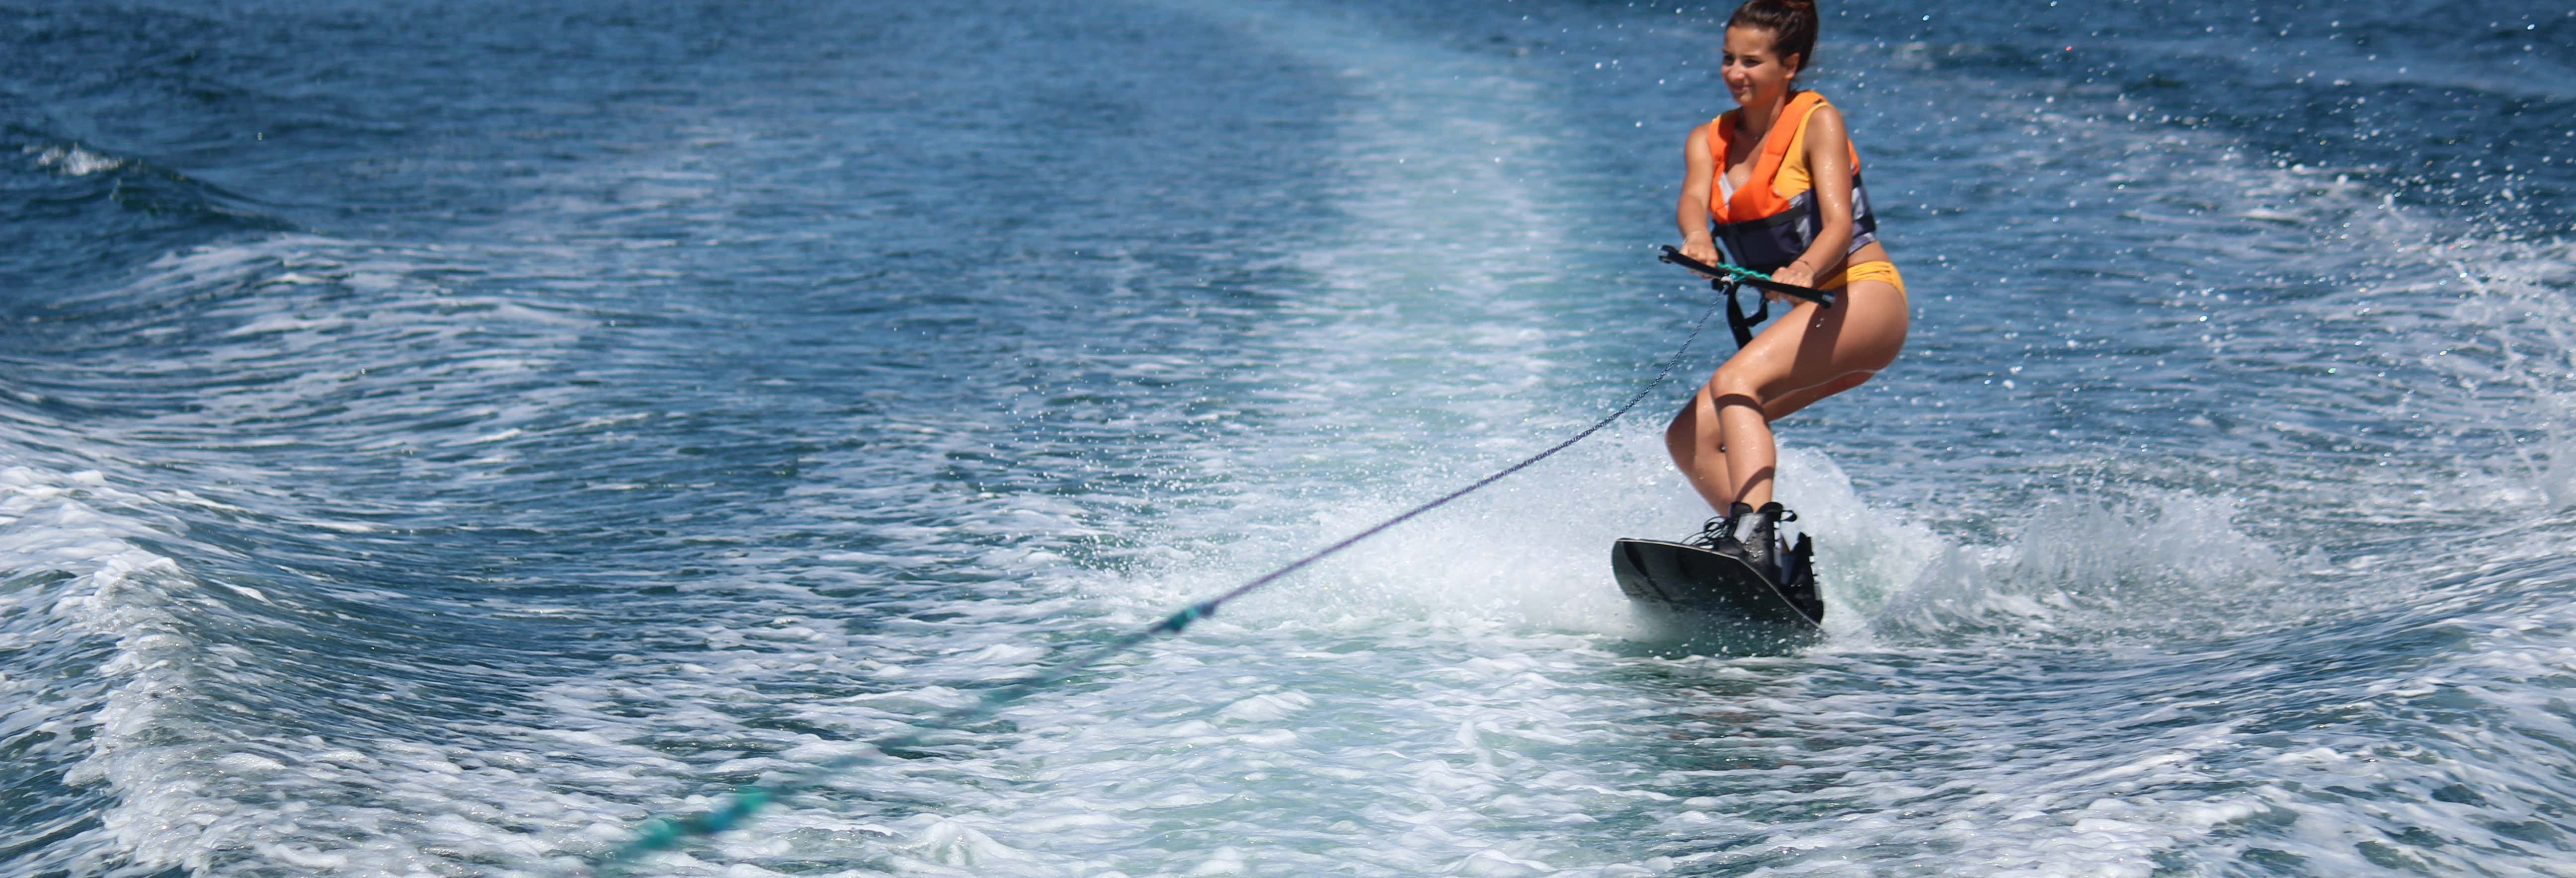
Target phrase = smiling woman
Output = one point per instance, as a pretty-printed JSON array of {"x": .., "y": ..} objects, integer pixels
[{"x": 1778, "y": 181}]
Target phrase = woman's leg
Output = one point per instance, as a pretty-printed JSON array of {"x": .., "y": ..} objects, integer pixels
[
  {"x": 1696, "y": 449},
  {"x": 1692, "y": 437},
  {"x": 1810, "y": 354},
  {"x": 1789, "y": 403},
  {"x": 1699, "y": 451}
]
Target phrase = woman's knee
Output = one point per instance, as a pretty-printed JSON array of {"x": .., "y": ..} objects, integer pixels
[
  {"x": 1734, "y": 386},
  {"x": 1684, "y": 429}
]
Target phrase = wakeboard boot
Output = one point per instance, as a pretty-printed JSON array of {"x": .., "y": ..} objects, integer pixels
[
  {"x": 1760, "y": 548},
  {"x": 1718, "y": 535},
  {"x": 1798, "y": 579}
]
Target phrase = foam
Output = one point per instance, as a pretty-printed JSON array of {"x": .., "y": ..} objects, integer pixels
[
  {"x": 2157, "y": 569},
  {"x": 73, "y": 160},
  {"x": 178, "y": 777},
  {"x": 104, "y": 588}
]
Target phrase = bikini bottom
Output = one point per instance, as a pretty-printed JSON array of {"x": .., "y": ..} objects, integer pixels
[{"x": 1876, "y": 269}]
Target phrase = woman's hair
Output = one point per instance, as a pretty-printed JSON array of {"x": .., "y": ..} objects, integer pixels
[{"x": 1792, "y": 24}]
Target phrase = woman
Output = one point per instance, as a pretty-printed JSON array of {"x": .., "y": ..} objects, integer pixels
[{"x": 1778, "y": 183}]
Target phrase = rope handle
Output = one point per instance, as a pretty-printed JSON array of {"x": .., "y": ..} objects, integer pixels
[{"x": 1748, "y": 277}]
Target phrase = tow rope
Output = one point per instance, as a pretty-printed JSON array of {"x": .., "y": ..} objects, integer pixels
[{"x": 666, "y": 833}]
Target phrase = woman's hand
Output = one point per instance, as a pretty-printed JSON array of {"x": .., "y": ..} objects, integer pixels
[
  {"x": 1795, "y": 274},
  {"x": 1701, "y": 248}
]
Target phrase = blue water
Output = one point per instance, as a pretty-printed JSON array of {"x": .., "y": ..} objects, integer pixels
[{"x": 436, "y": 436}]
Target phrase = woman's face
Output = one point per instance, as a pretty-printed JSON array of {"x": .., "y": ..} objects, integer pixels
[{"x": 1754, "y": 74}]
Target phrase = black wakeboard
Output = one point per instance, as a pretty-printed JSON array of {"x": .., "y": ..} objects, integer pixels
[{"x": 1718, "y": 601}]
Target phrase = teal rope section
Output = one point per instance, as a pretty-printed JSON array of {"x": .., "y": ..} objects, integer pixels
[
  {"x": 1738, "y": 272},
  {"x": 668, "y": 833}
]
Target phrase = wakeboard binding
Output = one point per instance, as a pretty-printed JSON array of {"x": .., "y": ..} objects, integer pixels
[
  {"x": 1790, "y": 568},
  {"x": 1797, "y": 578},
  {"x": 1706, "y": 595}
]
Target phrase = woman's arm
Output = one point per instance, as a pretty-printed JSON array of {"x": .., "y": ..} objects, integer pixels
[
  {"x": 1699, "y": 171},
  {"x": 1829, "y": 170}
]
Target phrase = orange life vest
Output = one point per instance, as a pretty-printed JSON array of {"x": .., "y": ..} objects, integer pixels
[{"x": 1760, "y": 229}]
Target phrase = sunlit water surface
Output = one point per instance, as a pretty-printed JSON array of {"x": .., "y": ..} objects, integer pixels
[{"x": 435, "y": 437}]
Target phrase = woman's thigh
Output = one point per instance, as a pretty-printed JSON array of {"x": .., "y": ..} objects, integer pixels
[
  {"x": 1789, "y": 403},
  {"x": 1813, "y": 346}
]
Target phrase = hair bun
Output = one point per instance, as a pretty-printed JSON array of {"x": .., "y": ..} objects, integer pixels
[{"x": 1792, "y": 24}]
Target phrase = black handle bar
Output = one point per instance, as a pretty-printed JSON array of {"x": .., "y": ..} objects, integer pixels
[{"x": 1823, "y": 298}]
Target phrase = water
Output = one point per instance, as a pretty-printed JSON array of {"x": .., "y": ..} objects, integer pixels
[{"x": 435, "y": 437}]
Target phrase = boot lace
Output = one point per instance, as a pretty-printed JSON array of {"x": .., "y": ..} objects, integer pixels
[{"x": 1710, "y": 533}]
